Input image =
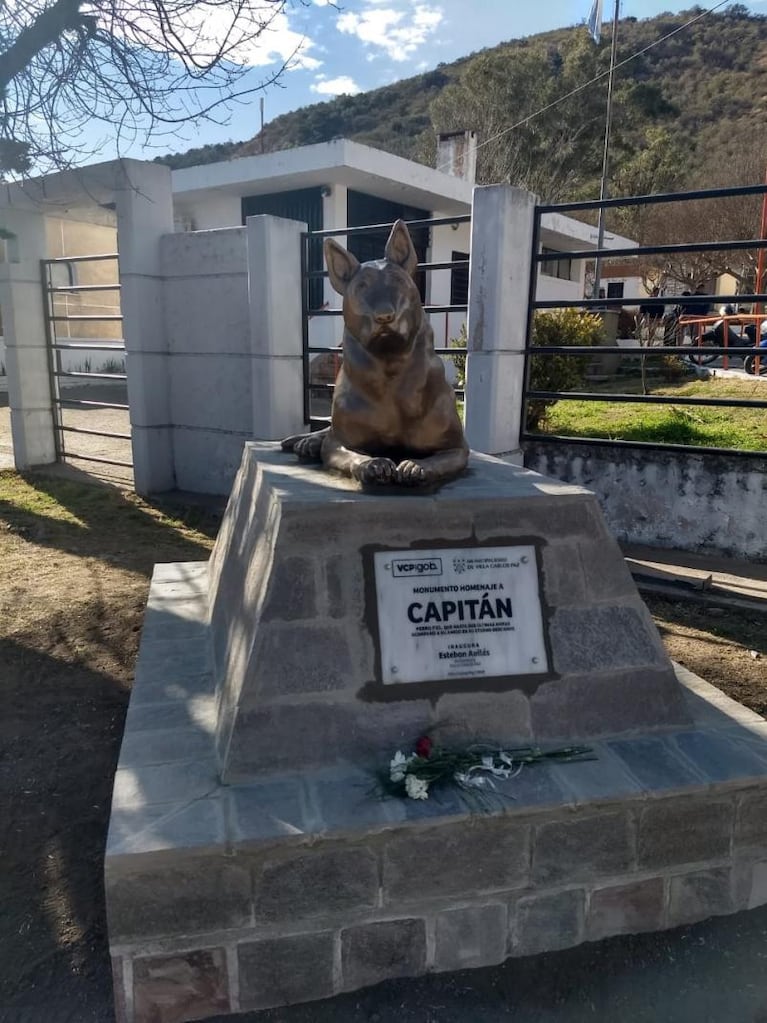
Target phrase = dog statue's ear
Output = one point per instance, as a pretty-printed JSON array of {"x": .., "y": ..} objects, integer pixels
[
  {"x": 399, "y": 248},
  {"x": 342, "y": 265}
]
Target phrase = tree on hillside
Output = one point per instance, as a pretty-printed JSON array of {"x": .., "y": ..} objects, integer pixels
[
  {"x": 735, "y": 218},
  {"x": 140, "y": 68},
  {"x": 557, "y": 153}
]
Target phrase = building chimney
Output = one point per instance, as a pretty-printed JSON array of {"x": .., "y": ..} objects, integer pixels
[{"x": 457, "y": 154}]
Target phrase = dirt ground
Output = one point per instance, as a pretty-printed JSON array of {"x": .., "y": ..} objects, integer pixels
[{"x": 75, "y": 562}]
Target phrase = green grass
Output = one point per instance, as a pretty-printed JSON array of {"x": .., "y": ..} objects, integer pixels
[{"x": 744, "y": 429}]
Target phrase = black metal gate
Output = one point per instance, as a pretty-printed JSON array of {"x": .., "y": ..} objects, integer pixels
[{"x": 83, "y": 322}]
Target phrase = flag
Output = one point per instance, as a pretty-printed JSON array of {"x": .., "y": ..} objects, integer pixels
[{"x": 595, "y": 20}]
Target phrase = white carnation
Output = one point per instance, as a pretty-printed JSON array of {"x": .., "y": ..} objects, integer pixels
[
  {"x": 398, "y": 766},
  {"x": 416, "y": 788}
]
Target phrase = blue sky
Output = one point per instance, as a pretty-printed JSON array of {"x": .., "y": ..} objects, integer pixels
[{"x": 363, "y": 44}]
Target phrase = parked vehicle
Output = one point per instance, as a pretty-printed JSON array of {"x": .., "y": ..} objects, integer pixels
[{"x": 727, "y": 331}]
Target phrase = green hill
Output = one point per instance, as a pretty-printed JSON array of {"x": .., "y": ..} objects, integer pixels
[{"x": 689, "y": 110}]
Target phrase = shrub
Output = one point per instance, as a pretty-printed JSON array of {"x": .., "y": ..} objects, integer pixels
[
  {"x": 559, "y": 372},
  {"x": 459, "y": 361}
]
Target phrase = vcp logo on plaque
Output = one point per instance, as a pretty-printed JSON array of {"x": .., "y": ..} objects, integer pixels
[{"x": 471, "y": 612}]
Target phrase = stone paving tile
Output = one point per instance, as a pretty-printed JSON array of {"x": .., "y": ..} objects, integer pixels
[
  {"x": 164, "y": 783},
  {"x": 268, "y": 809},
  {"x": 198, "y": 825},
  {"x": 719, "y": 757},
  {"x": 166, "y": 624},
  {"x": 179, "y": 571},
  {"x": 179, "y": 608},
  {"x": 170, "y": 688},
  {"x": 656, "y": 764},
  {"x": 603, "y": 778},
  {"x": 536, "y": 785},
  {"x": 175, "y": 715},
  {"x": 181, "y": 589},
  {"x": 751, "y": 736},
  {"x": 163, "y": 746},
  {"x": 347, "y": 799}
]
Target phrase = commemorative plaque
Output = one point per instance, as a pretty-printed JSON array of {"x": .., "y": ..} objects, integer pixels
[{"x": 470, "y": 612}]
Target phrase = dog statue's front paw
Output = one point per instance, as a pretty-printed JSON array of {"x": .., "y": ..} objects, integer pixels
[
  {"x": 411, "y": 474},
  {"x": 309, "y": 448},
  {"x": 375, "y": 470}
]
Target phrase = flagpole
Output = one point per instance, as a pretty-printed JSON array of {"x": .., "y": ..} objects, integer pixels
[{"x": 606, "y": 153}]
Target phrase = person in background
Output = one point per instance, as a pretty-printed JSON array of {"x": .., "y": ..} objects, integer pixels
[{"x": 651, "y": 313}]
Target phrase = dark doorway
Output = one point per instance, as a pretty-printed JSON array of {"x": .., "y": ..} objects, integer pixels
[
  {"x": 302, "y": 204},
  {"x": 363, "y": 209}
]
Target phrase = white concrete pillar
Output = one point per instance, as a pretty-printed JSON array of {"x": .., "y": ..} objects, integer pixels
[
  {"x": 27, "y": 354},
  {"x": 274, "y": 296},
  {"x": 499, "y": 282},
  {"x": 144, "y": 213},
  {"x": 326, "y": 331}
]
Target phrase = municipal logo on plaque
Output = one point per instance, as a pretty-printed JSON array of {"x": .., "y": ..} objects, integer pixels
[{"x": 473, "y": 612}]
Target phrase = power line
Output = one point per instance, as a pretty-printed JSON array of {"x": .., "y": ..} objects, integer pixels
[{"x": 596, "y": 78}]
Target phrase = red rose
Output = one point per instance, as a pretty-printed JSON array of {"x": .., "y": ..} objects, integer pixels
[{"x": 423, "y": 747}]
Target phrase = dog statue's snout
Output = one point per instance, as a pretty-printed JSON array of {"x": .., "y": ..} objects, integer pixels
[{"x": 384, "y": 316}]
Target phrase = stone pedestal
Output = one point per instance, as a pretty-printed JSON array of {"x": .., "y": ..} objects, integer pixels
[
  {"x": 291, "y": 880},
  {"x": 296, "y": 631}
]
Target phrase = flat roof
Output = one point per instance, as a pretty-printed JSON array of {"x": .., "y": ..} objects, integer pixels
[{"x": 340, "y": 161}]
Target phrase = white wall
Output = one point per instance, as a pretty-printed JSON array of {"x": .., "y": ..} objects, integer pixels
[
  {"x": 444, "y": 241},
  {"x": 216, "y": 209},
  {"x": 207, "y": 324}
]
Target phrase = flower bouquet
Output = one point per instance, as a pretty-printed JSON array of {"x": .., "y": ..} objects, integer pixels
[{"x": 473, "y": 769}]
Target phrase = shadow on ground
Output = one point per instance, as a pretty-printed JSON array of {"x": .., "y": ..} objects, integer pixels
[
  {"x": 59, "y": 739},
  {"x": 102, "y": 521}
]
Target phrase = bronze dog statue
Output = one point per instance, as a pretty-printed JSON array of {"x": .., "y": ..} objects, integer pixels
[{"x": 394, "y": 418}]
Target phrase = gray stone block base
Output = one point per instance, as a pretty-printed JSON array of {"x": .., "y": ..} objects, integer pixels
[
  {"x": 294, "y": 619},
  {"x": 298, "y": 885}
]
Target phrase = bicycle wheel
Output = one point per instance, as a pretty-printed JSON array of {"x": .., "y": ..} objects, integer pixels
[
  {"x": 698, "y": 354},
  {"x": 749, "y": 365}
]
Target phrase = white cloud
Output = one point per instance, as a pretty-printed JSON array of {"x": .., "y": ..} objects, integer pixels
[
  {"x": 399, "y": 33},
  {"x": 207, "y": 27},
  {"x": 280, "y": 43},
  {"x": 342, "y": 85}
]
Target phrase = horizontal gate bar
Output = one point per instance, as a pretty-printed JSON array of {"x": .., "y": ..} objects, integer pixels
[
  {"x": 426, "y": 309},
  {"x": 96, "y": 433},
  {"x": 106, "y": 318},
  {"x": 639, "y": 351},
  {"x": 84, "y": 346},
  {"x": 596, "y": 303},
  {"x": 66, "y": 288},
  {"x": 80, "y": 259},
  {"x": 645, "y": 399},
  {"x": 652, "y": 250},
  {"x": 91, "y": 376},
  {"x": 689, "y": 449},
  {"x": 70, "y": 456},
  {"x": 649, "y": 200},
  {"x": 462, "y": 218},
  {"x": 82, "y": 403}
]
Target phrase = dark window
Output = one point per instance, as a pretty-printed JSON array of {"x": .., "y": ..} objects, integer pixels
[
  {"x": 561, "y": 267},
  {"x": 302, "y": 204},
  {"x": 459, "y": 281},
  {"x": 363, "y": 209},
  {"x": 615, "y": 289}
]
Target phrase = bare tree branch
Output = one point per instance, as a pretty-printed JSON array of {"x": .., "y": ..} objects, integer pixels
[{"x": 139, "y": 68}]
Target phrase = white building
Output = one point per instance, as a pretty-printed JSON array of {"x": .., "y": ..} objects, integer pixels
[{"x": 342, "y": 184}]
